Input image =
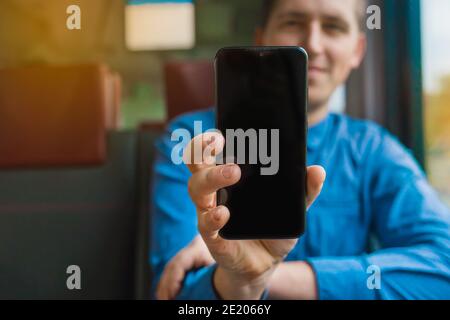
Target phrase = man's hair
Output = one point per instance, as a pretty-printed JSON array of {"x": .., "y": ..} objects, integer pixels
[{"x": 268, "y": 6}]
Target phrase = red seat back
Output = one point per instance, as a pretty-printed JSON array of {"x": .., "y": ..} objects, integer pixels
[
  {"x": 189, "y": 86},
  {"x": 56, "y": 116}
]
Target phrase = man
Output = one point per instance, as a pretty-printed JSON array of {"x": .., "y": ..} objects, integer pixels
[{"x": 374, "y": 188}]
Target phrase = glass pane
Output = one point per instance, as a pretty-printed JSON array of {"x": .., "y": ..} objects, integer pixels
[{"x": 436, "y": 50}]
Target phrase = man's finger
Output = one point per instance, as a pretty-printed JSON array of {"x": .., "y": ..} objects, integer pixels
[
  {"x": 161, "y": 291},
  {"x": 174, "y": 280},
  {"x": 201, "y": 151},
  {"x": 315, "y": 177},
  {"x": 210, "y": 223},
  {"x": 170, "y": 282},
  {"x": 174, "y": 290},
  {"x": 203, "y": 184},
  {"x": 161, "y": 287}
]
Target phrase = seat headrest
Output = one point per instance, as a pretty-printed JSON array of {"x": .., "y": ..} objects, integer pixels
[
  {"x": 54, "y": 116},
  {"x": 189, "y": 86}
]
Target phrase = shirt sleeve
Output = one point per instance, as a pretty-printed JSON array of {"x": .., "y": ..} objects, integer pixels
[
  {"x": 174, "y": 221},
  {"x": 412, "y": 226}
]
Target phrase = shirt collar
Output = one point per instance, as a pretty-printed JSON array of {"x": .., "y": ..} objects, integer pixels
[{"x": 317, "y": 132}]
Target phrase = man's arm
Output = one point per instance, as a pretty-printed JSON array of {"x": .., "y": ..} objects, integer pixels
[{"x": 413, "y": 228}]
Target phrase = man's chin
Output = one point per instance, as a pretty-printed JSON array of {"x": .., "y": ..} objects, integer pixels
[
  {"x": 316, "y": 101},
  {"x": 313, "y": 107},
  {"x": 319, "y": 93}
]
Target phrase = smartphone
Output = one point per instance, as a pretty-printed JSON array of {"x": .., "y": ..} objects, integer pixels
[{"x": 261, "y": 104}]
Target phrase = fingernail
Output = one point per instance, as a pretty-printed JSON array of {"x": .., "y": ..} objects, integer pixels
[
  {"x": 216, "y": 214},
  {"x": 227, "y": 171}
]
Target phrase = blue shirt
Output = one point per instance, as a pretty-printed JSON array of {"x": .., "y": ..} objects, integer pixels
[{"x": 375, "y": 193}]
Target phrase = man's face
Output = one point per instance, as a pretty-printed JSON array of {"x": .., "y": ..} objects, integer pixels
[{"x": 328, "y": 30}]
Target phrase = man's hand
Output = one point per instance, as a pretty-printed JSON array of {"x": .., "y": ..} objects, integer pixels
[
  {"x": 195, "y": 255},
  {"x": 244, "y": 266}
]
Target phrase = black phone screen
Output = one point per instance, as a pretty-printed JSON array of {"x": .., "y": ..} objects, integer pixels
[{"x": 261, "y": 100}]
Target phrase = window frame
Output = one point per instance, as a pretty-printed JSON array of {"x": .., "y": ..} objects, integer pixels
[{"x": 388, "y": 87}]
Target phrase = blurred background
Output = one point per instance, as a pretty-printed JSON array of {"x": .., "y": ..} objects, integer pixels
[
  {"x": 133, "y": 66},
  {"x": 33, "y": 32}
]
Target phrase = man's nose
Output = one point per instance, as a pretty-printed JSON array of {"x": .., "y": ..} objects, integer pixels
[{"x": 313, "y": 42}]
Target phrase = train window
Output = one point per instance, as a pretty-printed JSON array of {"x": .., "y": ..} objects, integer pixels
[{"x": 436, "y": 75}]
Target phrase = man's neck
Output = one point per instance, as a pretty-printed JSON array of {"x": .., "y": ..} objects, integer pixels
[{"x": 317, "y": 115}]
